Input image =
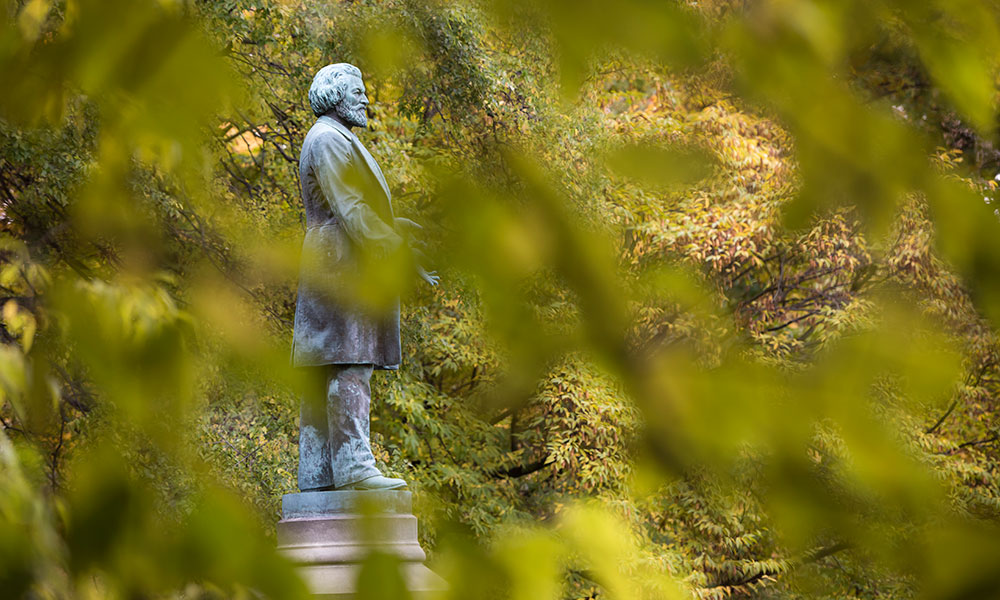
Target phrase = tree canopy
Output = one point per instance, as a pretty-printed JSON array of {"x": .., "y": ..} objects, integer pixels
[{"x": 721, "y": 287}]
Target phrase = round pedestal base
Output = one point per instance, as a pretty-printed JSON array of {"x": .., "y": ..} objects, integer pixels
[{"x": 330, "y": 533}]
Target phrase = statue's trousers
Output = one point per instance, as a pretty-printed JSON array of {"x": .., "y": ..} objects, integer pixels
[{"x": 334, "y": 446}]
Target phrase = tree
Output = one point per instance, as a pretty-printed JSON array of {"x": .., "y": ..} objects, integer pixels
[{"x": 720, "y": 302}]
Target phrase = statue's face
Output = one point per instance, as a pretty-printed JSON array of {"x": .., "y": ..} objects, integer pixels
[{"x": 352, "y": 109}]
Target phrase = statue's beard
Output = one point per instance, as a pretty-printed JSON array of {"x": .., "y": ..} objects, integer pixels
[{"x": 354, "y": 116}]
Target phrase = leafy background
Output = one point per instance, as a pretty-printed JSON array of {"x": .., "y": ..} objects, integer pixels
[{"x": 720, "y": 291}]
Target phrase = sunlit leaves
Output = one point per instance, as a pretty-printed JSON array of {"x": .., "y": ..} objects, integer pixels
[
  {"x": 667, "y": 31},
  {"x": 663, "y": 168},
  {"x": 31, "y": 18},
  {"x": 612, "y": 312},
  {"x": 131, "y": 340},
  {"x": 118, "y": 536}
]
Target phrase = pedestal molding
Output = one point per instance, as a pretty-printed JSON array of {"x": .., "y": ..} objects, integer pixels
[{"x": 329, "y": 534}]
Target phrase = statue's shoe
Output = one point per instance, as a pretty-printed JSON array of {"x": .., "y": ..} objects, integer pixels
[{"x": 376, "y": 482}]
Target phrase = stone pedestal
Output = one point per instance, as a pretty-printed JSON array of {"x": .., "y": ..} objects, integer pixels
[{"x": 330, "y": 533}]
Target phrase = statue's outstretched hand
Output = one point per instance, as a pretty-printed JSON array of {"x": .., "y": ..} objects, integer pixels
[
  {"x": 404, "y": 224},
  {"x": 431, "y": 277},
  {"x": 407, "y": 227}
]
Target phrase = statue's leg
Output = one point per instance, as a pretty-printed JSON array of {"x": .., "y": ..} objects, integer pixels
[
  {"x": 314, "y": 442},
  {"x": 349, "y": 411}
]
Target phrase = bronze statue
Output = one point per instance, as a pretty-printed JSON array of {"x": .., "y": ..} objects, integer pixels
[{"x": 339, "y": 337}]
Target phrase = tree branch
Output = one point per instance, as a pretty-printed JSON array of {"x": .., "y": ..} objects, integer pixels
[
  {"x": 946, "y": 414},
  {"x": 521, "y": 470}
]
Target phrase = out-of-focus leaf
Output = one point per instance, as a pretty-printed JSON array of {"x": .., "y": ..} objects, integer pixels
[
  {"x": 533, "y": 561},
  {"x": 661, "y": 167},
  {"x": 380, "y": 578}
]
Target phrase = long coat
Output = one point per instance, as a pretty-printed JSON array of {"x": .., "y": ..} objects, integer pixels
[{"x": 348, "y": 211}]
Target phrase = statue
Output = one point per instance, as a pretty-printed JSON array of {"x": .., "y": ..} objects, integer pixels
[{"x": 338, "y": 338}]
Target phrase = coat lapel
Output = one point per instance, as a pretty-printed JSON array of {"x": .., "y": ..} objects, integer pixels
[
  {"x": 368, "y": 158},
  {"x": 373, "y": 166}
]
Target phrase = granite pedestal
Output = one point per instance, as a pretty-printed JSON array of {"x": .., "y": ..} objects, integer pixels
[{"x": 329, "y": 534}]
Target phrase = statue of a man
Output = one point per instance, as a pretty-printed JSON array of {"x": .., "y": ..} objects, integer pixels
[{"x": 339, "y": 337}]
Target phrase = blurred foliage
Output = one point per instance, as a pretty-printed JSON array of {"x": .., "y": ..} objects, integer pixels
[{"x": 718, "y": 316}]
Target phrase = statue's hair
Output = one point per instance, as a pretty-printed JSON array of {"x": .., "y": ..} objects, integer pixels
[{"x": 329, "y": 86}]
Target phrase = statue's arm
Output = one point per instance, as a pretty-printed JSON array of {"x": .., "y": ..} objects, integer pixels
[{"x": 340, "y": 184}]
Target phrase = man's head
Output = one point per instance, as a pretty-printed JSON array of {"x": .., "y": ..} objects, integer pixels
[{"x": 339, "y": 87}]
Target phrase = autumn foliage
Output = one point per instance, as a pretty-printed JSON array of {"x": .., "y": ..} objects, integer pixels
[{"x": 721, "y": 286}]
